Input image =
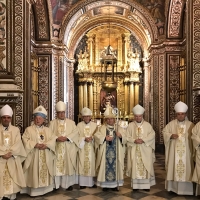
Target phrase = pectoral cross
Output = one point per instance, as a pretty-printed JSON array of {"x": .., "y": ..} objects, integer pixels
[
  {"x": 42, "y": 137},
  {"x": 7, "y": 139}
]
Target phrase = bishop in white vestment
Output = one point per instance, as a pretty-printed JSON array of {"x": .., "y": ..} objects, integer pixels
[
  {"x": 67, "y": 145},
  {"x": 179, "y": 152},
  {"x": 39, "y": 143},
  {"x": 140, "y": 151},
  {"x": 12, "y": 154},
  {"x": 86, "y": 155},
  {"x": 110, "y": 142}
]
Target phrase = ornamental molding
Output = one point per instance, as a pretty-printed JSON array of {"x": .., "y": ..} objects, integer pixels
[
  {"x": 175, "y": 19},
  {"x": 41, "y": 20},
  {"x": 82, "y": 7}
]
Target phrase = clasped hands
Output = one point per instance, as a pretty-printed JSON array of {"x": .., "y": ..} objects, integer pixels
[
  {"x": 110, "y": 138},
  {"x": 7, "y": 156},
  {"x": 61, "y": 139},
  {"x": 174, "y": 136},
  {"x": 89, "y": 139},
  {"x": 41, "y": 146},
  {"x": 138, "y": 141}
]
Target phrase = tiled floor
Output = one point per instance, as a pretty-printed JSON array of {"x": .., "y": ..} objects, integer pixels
[{"x": 157, "y": 192}]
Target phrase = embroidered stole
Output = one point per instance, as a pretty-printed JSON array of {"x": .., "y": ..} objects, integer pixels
[
  {"x": 7, "y": 180},
  {"x": 60, "y": 148},
  {"x": 141, "y": 172},
  {"x": 43, "y": 170},
  {"x": 87, "y": 151},
  {"x": 180, "y": 153}
]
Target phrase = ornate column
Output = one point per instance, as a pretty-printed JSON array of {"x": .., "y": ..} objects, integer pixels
[
  {"x": 95, "y": 97},
  {"x": 97, "y": 51},
  {"x": 146, "y": 99},
  {"x": 90, "y": 96},
  {"x": 126, "y": 99},
  {"x": 119, "y": 53},
  {"x": 80, "y": 97},
  {"x": 126, "y": 46},
  {"x": 132, "y": 96},
  {"x": 90, "y": 44},
  {"x": 85, "y": 95},
  {"x": 136, "y": 94},
  {"x": 192, "y": 63}
]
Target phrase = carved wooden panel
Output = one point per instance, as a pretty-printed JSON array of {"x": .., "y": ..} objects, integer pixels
[{"x": 44, "y": 85}]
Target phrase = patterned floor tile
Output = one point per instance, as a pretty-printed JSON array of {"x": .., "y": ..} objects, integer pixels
[{"x": 157, "y": 192}]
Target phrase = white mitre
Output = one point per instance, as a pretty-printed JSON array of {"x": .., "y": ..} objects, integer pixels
[
  {"x": 138, "y": 110},
  {"x": 60, "y": 106},
  {"x": 86, "y": 112},
  {"x": 181, "y": 107},
  {"x": 41, "y": 110},
  {"x": 6, "y": 110}
]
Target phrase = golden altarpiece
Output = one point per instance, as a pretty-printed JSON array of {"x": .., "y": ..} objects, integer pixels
[{"x": 109, "y": 58}]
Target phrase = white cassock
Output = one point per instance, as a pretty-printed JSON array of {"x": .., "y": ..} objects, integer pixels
[
  {"x": 86, "y": 159},
  {"x": 66, "y": 153},
  {"x": 140, "y": 157},
  {"x": 179, "y": 157}
]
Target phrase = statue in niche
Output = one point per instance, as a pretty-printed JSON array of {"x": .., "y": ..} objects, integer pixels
[
  {"x": 108, "y": 51},
  {"x": 133, "y": 60},
  {"x": 83, "y": 61}
]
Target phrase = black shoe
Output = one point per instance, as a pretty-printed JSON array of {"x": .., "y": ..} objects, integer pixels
[
  {"x": 55, "y": 189},
  {"x": 94, "y": 186},
  {"x": 82, "y": 187},
  {"x": 70, "y": 188},
  {"x": 147, "y": 190},
  {"x": 115, "y": 189},
  {"x": 105, "y": 189},
  {"x": 5, "y": 198},
  {"x": 135, "y": 190}
]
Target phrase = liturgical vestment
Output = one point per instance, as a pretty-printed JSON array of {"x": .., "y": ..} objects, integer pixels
[
  {"x": 179, "y": 157},
  {"x": 86, "y": 155},
  {"x": 110, "y": 157},
  {"x": 66, "y": 152},
  {"x": 39, "y": 164},
  {"x": 140, "y": 157},
  {"x": 196, "y": 144},
  {"x": 11, "y": 173}
]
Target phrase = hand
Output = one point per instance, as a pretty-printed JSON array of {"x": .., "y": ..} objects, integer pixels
[
  {"x": 61, "y": 139},
  {"x": 118, "y": 135},
  {"x": 43, "y": 147},
  {"x": 37, "y": 145},
  {"x": 88, "y": 139},
  {"x": 108, "y": 138},
  {"x": 7, "y": 156},
  {"x": 174, "y": 136},
  {"x": 139, "y": 141}
]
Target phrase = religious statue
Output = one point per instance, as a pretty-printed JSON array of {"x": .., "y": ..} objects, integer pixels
[{"x": 83, "y": 61}]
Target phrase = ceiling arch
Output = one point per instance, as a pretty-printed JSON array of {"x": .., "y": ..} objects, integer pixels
[{"x": 85, "y": 17}]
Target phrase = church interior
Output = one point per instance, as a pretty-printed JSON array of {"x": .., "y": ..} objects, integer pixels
[{"x": 90, "y": 53}]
